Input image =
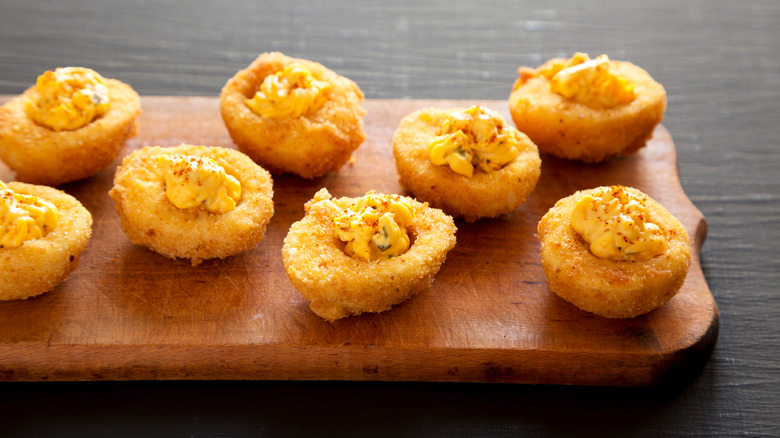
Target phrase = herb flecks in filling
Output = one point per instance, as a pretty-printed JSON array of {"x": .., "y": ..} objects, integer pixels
[
  {"x": 374, "y": 226},
  {"x": 474, "y": 137}
]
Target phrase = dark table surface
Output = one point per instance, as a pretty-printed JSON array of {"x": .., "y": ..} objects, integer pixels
[{"x": 719, "y": 62}]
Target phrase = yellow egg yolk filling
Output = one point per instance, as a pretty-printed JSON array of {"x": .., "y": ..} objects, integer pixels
[
  {"x": 473, "y": 137},
  {"x": 192, "y": 181},
  {"x": 616, "y": 225},
  {"x": 591, "y": 82},
  {"x": 68, "y": 98},
  {"x": 289, "y": 93},
  {"x": 374, "y": 227},
  {"x": 24, "y": 217}
]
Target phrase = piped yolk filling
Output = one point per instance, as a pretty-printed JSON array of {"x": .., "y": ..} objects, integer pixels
[
  {"x": 374, "y": 227},
  {"x": 24, "y": 217},
  {"x": 474, "y": 137},
  {"x": 289, "y": 93},
  {"x": 68, "y": 98},
  {"x": 192, "y": 181},
  {"x": 616, "y": 225},
  {"x": 591, "y": 82}
]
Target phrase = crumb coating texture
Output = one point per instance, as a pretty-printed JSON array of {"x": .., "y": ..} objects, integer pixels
[
  {"x": 39, "y": 265},
  {"x": 40, "y": 155},
  {"x": 614, "y": 289},
  {"x": 337, "y": 285},
  {"x": 308, "y": 146},
  {"x": 149, "y": 219},
  {"x": 483, "y": 194},
  {"x": 572, "y": 130}
]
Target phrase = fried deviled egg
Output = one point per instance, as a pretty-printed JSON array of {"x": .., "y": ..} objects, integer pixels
[
  {"x": 43, "y": 232},
  {"x": 293, "y": 115},
  {"x": 193, "y": 202},
  {"x": 69, "y": 126},
  {"x": 587, "y": 109},
  {"x": 466, "y": 161},
  {"x": 348, "y": 256},
  {"x": 613, "y": 251}
]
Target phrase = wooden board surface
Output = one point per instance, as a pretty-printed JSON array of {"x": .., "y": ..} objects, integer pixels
[{"x": 127, "y": 313}]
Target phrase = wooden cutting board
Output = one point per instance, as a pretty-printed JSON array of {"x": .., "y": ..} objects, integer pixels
[{"x": 127, "y": 313}]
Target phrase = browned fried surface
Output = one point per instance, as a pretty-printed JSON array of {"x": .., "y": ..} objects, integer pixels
[
  {"x": 308, "y": 146},
  {"x": 150, "y": 219},
  {"x": 39, "y": 265},
  {"x": 41, "y": 155},
  {"x": 568, "y": 129},
  {"x": 337, "y": 285},
  {"x": 613, "y": 289},
  {"x": 483, "y": 195}
]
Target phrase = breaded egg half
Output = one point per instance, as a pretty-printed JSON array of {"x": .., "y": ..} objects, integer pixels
[
  {"x": 150, "y": 219},
  {"x": 39, "y": 265},
  {"x": 320, "y": 140},
  {"x": 41, "y": 155},
  {"x": 613, "y": 289},
  {"x": 337, "y": 285},
  {"x": 482, "y": 195},
  {"x": 569, "y": 129}
]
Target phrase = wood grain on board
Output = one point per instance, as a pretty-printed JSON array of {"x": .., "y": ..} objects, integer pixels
[{"x": 127, "y": 313}]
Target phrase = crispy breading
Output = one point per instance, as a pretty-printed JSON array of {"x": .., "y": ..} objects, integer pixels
[
  {"x": 39, "y": 265},
  {"x": 40, "y": 155},
  {"x": 150, "y": 219},
  {"x": 337, "y": 285},
  {"x": 309, "y": 145},
  {"x": 572, "y": 130},
  {"x": 614, "y": 289},
  {"x": 480, "y": 196}
]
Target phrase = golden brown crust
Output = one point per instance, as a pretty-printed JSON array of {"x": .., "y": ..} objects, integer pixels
[
  {"x": 41, "y": 155},
  {"x": 150, "y": 219},
  {"x": 572, "y": 130},
  {"x": 39, "y": 265},
  {"x": 483, "y": 195},
  {"x": 308, "y": 146},
  {"x": 337, "y": 285},
  {"x": 608, "y": 288}
]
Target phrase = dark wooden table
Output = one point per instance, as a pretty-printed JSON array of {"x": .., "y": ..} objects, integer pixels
[{"x": 719, "y": 62}]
